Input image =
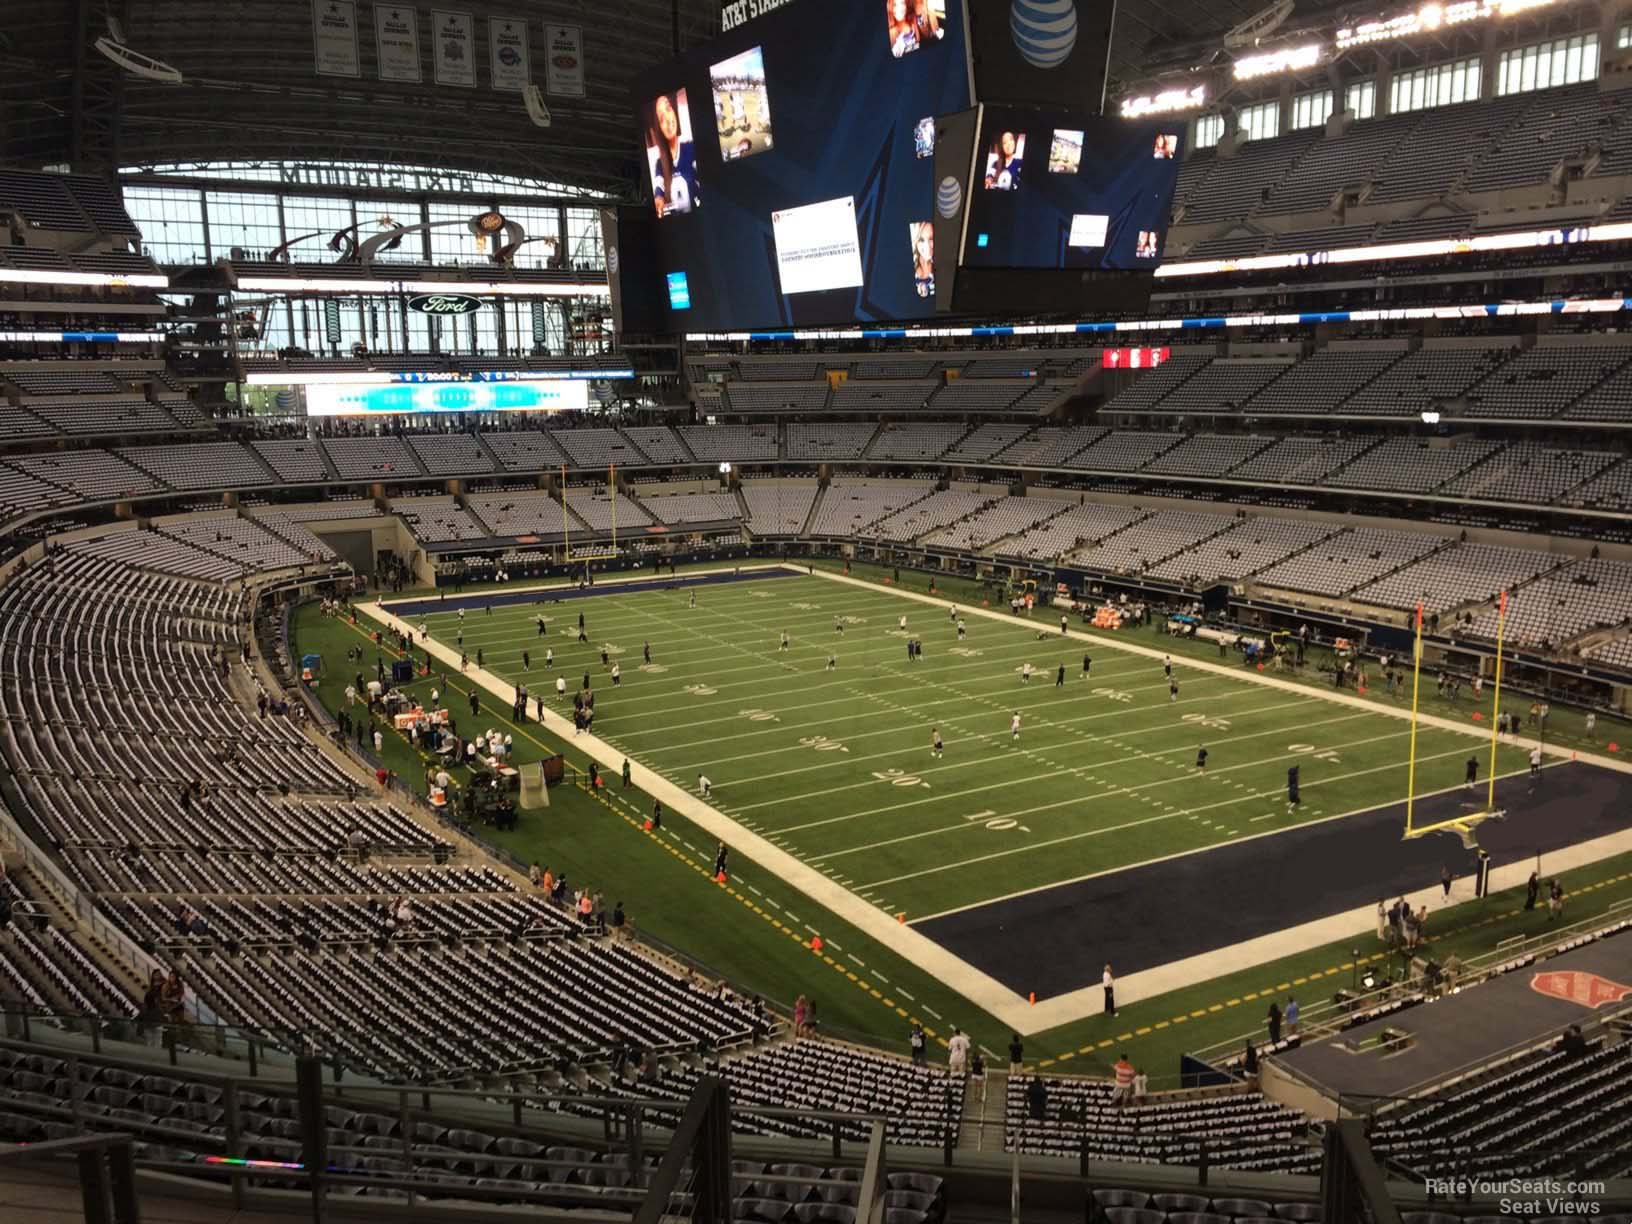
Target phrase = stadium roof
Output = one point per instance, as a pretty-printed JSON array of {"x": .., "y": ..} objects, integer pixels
[{"x": 251, "y": 90}]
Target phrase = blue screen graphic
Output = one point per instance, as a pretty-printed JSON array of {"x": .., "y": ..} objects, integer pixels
[
  {"x": 331, "y": 399},
  {"x": 679, "y": 291}
]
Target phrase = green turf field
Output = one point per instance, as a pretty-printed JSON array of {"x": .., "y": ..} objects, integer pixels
[{"x": 834, "y": 764}]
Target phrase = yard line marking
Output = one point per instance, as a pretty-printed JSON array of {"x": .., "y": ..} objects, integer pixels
[
  {"x": 930, "y": 1011},
  {"x": 1007, "y": 785},
  {"x": 1177, "y": 854},
  {"x": 1055, "y": 841}
]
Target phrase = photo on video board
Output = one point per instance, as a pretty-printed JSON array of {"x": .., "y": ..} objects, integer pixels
[
  {"x": 1065, "y": 153},
  {"x": 914, "y": 24},
  {"x": 923, "y": 138},
  {"x": 742, "y": 107},
  {"x": 1167, "y": 144},
  {"x": 1004, "y": 160},
  {"x": 671, "y": 156},
  {"x": 923, "y": 257},
  {"x": 1146, "y": 248}
]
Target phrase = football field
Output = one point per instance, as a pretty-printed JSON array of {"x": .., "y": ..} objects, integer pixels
[{"x": 825, "y": 748}]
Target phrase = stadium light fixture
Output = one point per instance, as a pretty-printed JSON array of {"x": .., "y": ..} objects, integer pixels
[
  {"x": 1164, "y": 103},
  {"x": 36, "y": 276},
  {"x": 137, "y": 64},
  {"x": 1283, "y": 59},
  {"x": 1431, "y": 17},
  {"x": 302, "y": 284}
]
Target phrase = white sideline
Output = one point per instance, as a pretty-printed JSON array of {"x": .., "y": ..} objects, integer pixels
[{"x": 982, "y": 990}]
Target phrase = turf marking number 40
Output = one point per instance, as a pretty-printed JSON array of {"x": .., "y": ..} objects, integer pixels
[{"x": 822, "y": 744}]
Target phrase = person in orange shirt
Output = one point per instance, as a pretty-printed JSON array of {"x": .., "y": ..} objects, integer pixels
[{"x": 1122, "y": 1094}]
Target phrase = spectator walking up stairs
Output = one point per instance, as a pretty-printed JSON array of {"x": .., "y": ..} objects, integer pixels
[{"x": 981, "y": 1128}]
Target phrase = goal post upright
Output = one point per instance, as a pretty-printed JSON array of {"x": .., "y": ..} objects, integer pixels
[
  {"x": 1411, "y": 766},
  {"x": 1496, "y": 701}
]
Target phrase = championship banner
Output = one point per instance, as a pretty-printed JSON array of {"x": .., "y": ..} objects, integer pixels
[
  {"x": 334, "y": 38},
  {"x": 564, "y": 61},
  {"x": 454, "y": 44},
  {"x": 507, "y": 53},
  {"x": 396, "y": 39}
]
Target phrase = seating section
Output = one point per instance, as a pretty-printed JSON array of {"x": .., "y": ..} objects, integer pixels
[
  {"x": 242, "y": 541},
  {"x": 90, "y": 475},
  {"x": 1123, "y": 451},
  {"x": 1579, "y": 597},
  {"x": 778, "y": 507},
  {"x": 751, "y": 399},
  {"x": 938, "y": 510},
  {"x": 1530, "y": 472},
  {"x": 880, "y": 398},
  {"x": 296, "y": 461},
  {"x": 731, "y": 443},
  {"x": 1050, "y": 446},
  {"x": 1081, "y": 525},
  {"x": 984, "y": 441},
  {"x": 848, "y": 507},
  {"x": 1005, "y": 517},
  {"x": 829, "y": 443},
  {"x": 596, "y": 448},
  {"x": 1319, "y": 383},
  {"x": 983, "y": 396},
  {"x": 451, "y": 454},
  {"x": 600, "y": 511},
  {"x": 658, "y": 443},
  {"x": 682, "y": 509},
  {"x": 1142, "y": 545},
  {"x": 519, "y": 512},
  {"x": 1349, "y": 560},
  {"x": 1210, "y": 455},
  {"x": 1553, "y": 1115},
  {"x": 524, "y": 451},
  {"x": 372, "y": 458},
  {"x": 438, "y": 519},
  {"x": 1461, "y": 575},
  {"x": 915, "y": 442},
  {"x": 1244, "y": 1132},
  {"x": 1423, "y": 379},
  {"x": 1245, "y": 549},
  {"x": 1219, "y": 388},
  {"x": 1406, "y": 465},
  {"x": 1545, "y": 380},
  {"x": 199, "y": 465}
]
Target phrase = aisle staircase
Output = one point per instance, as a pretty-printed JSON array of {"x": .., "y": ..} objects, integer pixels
[{"x": 983, "y": 1108}]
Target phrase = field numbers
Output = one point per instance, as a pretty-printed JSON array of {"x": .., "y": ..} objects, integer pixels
[
  {"x": 822, "y": 744},
  {"x": 701, "y": 690},
  {"x": 758, "y": 715},
  {"x": 657, "y": 669},
  {"x": 896, "y": 777},
  {"x": 991, "y": 820},
  {"x": 1320, "y": 754},
  {"x": 1208, "y": 721},
  {"x": 1111, "y": 694},
  {"x": 759, "y": 594},
  {"x": 965, "y": 652},
  {"x": 807, "y": 607},
  {"x": 854, "y": 620}
]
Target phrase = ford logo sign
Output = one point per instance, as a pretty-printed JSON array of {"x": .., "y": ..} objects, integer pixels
[{"x": 444, "y": 304}]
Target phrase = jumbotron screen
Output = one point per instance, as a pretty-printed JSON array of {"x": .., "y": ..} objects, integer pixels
[
  {"x": 390, "y": 399},
  {"x": 790, "y": 164},
  {"x": 1057, "y": 190}
]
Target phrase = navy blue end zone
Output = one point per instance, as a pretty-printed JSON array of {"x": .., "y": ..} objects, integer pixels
[
  {"x": 550, "y": 595},
  {"x": 1058, "y": 939}
]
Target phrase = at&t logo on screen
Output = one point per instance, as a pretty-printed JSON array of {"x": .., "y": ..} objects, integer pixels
[
  {"x": 948, "y": 197},
  {"x": 1044, "y": 31}
]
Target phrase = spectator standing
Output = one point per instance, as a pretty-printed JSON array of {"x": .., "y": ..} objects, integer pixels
[
  {"x": 957, "y": 1054},
  {"x": 1122, "y": 1093},
  {"x": 916, "y": 1041},
  {"x": 1273, "y": 1023},
  {"x": 1109, "y": 984},
  {"x": 1291, "y": 1016},
  {"x": 1017, "y": 1052}
]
